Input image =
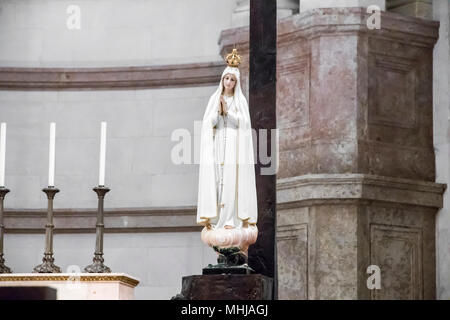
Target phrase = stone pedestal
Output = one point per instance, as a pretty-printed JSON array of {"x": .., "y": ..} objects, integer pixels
[
  {"x": 227, "y": 287},
  {"x": 356, "y": 182},
  {"x": 77, "y": 286},
  {"x": 331, "y": 227}
]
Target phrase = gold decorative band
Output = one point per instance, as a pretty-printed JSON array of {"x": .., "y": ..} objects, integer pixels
[{"x": 84, "y": 278}]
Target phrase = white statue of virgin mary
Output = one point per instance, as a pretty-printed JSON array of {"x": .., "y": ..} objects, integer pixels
[{"x": 227, "y": 203}]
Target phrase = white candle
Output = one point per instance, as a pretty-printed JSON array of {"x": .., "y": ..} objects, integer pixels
[
  {"x": 51, "y": 156},
  {"x": 101, "y": 178},
  {"x": 2, "y": 153}
]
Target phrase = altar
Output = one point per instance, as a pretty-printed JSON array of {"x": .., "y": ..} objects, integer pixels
[{"x": 77, "y": 286}]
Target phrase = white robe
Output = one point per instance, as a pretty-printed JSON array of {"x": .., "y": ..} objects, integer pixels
[
  {"x": 225, "y": 158},
  {"x": 239, "y": 180}
]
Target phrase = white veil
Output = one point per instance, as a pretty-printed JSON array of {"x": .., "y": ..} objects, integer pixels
[{"x": 247, "y": 206}]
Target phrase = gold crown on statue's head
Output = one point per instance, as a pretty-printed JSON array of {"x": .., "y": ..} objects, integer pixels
[{"x": 233, "y": 59}]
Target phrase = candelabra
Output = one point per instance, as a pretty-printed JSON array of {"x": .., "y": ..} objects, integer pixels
[
  {"x": 47, "y": 265},
  {"x": 3, "y": 268},
  {"x": 98, "y": 266}
]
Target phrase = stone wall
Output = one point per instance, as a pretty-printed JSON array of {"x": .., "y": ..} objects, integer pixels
[
  {"x": 112, "y": 33},
  {"x": 139, "y": 168},
  {"x": 441, "y": 110}
]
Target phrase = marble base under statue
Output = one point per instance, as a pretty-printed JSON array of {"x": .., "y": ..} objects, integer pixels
[
  {"x": 77, "y": 286},
  {"x": 231, "y": 246},
  {"x": 226, "y": 287}
]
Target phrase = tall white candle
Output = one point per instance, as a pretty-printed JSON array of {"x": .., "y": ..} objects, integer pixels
[
  {"x": 101, "y": 178},
  {"x": 2, "y": 153},
  {"x": 51, "y": 156}
]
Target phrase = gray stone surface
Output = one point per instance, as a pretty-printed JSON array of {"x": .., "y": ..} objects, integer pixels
[
  {"x": 441, "y": 117},
  {"x": 112, "y": 33}
]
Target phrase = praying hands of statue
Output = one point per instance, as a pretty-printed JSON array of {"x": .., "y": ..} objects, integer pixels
[{"x": 223, "y": 106}]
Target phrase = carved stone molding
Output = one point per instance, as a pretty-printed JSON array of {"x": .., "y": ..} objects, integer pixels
[
  {"x": 122, "y": 278},
  {"x": 292, "y": 251},
  {"x": 392, "y": 93},
  {"x": 294, "y": 82},
  {"x": 331, "y": 187},
  {"x": 165, "y": 219},
  {"x": 319, "y": 22},
  {"x": 146, "y": 77},
  {"x": 398, "y": 253}
]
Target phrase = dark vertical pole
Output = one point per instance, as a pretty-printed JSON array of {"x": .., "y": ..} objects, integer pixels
[{"x": 262, "y": 105}]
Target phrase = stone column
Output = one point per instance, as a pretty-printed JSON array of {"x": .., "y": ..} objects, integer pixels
[
  {"x": 356, "y": 184},
  {"x": 241, "y": 15},
  {"x": 415, "y": 8},
  {"x": 313, "y": 4}
]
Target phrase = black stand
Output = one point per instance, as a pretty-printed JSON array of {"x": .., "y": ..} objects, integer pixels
[
  {"x": 226, "y": 287},
  {"x": 230, "y": 261}
]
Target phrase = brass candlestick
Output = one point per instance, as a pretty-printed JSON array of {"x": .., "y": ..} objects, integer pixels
[
  {"x": 98, "y": 266},
  {"x": 47, "y": 265},
  {"x": 3, "y": 268}
]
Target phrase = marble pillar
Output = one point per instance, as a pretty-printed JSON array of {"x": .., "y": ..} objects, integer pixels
[
  {"x": 356, "y": 184},
  {"x": 241, "y": 14}
]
